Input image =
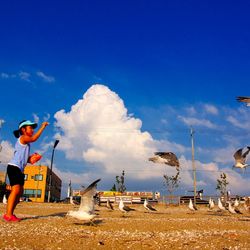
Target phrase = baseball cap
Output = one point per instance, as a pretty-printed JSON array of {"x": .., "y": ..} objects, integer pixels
[{"x": 22, "y": 124}]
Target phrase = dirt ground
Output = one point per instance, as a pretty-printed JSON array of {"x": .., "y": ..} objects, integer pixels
[{"x": 46, "y": 226}]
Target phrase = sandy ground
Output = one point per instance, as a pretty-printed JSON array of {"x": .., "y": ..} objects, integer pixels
[{"x": 46, "y": 226}]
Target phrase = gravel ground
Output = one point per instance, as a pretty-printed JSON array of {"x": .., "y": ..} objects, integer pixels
[{"x": 46, "y": 226}]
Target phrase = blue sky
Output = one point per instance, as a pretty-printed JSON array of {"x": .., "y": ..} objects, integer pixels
[{"x": 173, "y": 64}]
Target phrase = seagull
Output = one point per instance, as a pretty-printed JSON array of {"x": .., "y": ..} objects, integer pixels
[
  {"x": 220, "y": 206},
  {"x": 5, "y": 201},
  {"x": 87, "y": 206},
  {"x": 72, "y": 201},
  {"x": 240, "y": 158},
  {"x": 244, "y": 99},
  {"x": 230, "y": 208},
  {"x": 148, "y": 206},
  {"x": 124, "y": 208},
  {"x": 167, "y": 158},
  {"x": 211, "y": 204},
  {"x": 109, "y": 205},
  {"x": 247, "y": 204},
  {"x": 191, "y": 206},
  {"x": 236, "y": 203}
]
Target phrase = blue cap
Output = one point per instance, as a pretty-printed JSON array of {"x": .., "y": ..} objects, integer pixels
[{"x": 27, "y": 123}]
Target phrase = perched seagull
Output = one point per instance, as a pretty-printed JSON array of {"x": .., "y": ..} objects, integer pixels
[
  {"x": 87, "y": 206},
  {"x": 5, "y": 201},
  {"x": 148, "y": 206},
  {"x": 240, "y": 158},
  {"x": 236, "y": 203},
  {"x": 72, "y": 201},
  {"x": 191, "y": 206},
  {"x": 247, "y": 204},
  {"x": 211, "y": 204},
  {"x": 109, "y": 205},
  {"x": 220, "y": 206},
  {"x": 230, "y": 208},
  {"x": 124, "y": 208},
  {"x": 167, "y": 158},
  {"x": 244, "y": 99}
]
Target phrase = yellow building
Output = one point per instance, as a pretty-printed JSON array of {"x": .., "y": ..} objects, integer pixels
[
  {"x": 2, "y": 176},
  {"x": 36, "y": 184}
]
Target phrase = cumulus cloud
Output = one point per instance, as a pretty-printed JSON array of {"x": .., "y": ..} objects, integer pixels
[
  {"x": 99, "y": 131},
  {"x": 6, "y": 152},
  {"x": 45, "y": 77}
]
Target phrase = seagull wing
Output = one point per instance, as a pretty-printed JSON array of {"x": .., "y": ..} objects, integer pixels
[
  {"x": 171, "y": 158},
  {"x": 87, "y": 200},
  {"x": 246, "y": 153},
  {"x": 238, "y": 154}
]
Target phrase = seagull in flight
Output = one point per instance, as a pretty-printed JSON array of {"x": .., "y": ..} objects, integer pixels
[
  {"x": 244, "y": 99},
  {"x": 87, "y": 205},
  {"x": 148, "y": 206},
  {"x": 167, "y": 158},
  {"x": 240, "y": 158}
]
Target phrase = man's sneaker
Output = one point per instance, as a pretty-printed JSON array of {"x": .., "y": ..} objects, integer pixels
[{"x": 11, "y": 218}]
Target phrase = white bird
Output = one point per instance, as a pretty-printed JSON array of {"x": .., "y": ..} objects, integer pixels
[
  {"x": 236, "y": 203},
  {"x": 72, "y": 201},
  {"x": 230, "y": 208},
  {"x": 244, "y": 99},
  {"x": 87, "y": 206},
  {"x": 240, "y": 158},
  {"x": 109, "y": 205},
  {"x": 148, "y": 206},
  {"x": 247, "y": 204},
  {"x": 124, "y": 208},
  {"x": 5, "y": 201},
  {"x": 220, "y": 206},
  {"x": 211, "y": 204},
  {"x": 191, "y": 206},
  {"x": 167, "y": 158}
]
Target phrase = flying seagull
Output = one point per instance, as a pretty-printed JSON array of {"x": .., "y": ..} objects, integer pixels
[
  {"x": 240, "y": 158},
  {"x": 87, "y": 206},
  {"x": 167, "y": 158},
  {"x": 109, "y": 205},
  {"x": 244, "y": 99},
  {"x": 124, "y": 208},
  {"x": 148, "y": 206}
]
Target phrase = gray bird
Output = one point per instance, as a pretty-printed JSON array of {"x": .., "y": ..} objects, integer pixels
[
  {"x": 240, "y": 158},
  {"x": 243, "y": 99},
  {"x": 87, "y": 206},
  {"x": 148, "y": 206},
  {"x": 109, "y": 205},
  {"x": 124, "y": 208},
  {"x": 167, "y": 158}
]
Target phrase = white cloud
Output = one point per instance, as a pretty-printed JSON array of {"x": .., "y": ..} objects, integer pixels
[
  {"x": 191, "y": 121},
  {"x": 237, "y": 123},
  {"x": 6, "y": 152},
  {"x": 191, "y": 110},
  {"x": 211, "y": 109},
  {"x": 45, "y": 77},
  {"x": 25, "y": 76},
  {"x": 5, "y": 75}
]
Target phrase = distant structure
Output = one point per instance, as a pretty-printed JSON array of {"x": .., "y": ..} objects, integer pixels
[{"x": 36, "y": 184}]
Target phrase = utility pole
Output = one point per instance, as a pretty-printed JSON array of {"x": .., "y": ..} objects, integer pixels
[{"x": 193, "y": 164}]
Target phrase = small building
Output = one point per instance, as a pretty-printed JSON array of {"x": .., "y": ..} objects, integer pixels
[{"x": 36, "y": 185}]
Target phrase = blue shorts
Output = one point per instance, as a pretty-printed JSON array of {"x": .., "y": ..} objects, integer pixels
[{"x": 16, "y": 177}]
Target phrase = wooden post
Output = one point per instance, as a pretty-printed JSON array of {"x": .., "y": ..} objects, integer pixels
[{"x": 193, "y": 164}]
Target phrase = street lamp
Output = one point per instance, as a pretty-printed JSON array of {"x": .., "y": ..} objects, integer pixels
[{"x": 51, "y": 165}]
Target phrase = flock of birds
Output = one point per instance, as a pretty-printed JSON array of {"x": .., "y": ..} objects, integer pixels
[{"x": 86, "y": 211}]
